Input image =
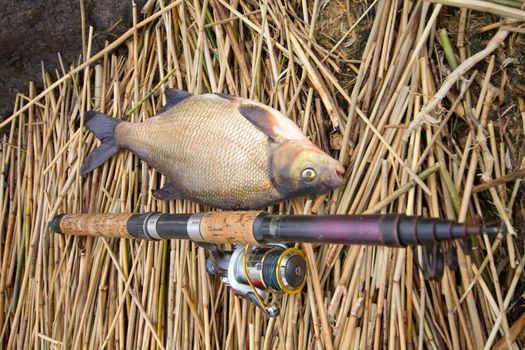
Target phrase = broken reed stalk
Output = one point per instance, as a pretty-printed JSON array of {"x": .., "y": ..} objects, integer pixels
[
  {"x": 58, "y": 291},
  {"x": 515, "y": 175},
  {"x": 485, "y": 6}
]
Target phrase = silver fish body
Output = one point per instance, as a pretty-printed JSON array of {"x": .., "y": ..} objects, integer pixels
[{"x": 221, "y": 151}]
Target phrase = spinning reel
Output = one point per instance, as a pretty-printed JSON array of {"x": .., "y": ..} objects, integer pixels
[{"x": 254, "y": 271}]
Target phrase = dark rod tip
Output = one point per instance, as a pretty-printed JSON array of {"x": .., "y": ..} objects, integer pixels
[
  {"x": 54, "y": 224},
  {"x": 489, "y": 230},
  {"x": 494, "y": 230}
]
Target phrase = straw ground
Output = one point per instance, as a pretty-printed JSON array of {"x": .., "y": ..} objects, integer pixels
[{"x": 426, "y": 116}]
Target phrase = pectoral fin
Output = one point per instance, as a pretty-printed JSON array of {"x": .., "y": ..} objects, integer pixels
[
  {"x": 271, "y": 122},
  {"x": 167, "y": 192},
  {"x": 263, "y": 119}
]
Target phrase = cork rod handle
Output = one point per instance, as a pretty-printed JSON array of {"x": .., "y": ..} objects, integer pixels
[
  {"x": 229, "y": 227},
  {"x": 92, "y": 225}
]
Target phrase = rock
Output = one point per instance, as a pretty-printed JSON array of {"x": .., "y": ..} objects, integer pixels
[{"x": 32, "y": 32}]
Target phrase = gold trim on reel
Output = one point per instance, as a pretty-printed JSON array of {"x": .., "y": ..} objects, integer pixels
[{"x": 273, "y": 268}]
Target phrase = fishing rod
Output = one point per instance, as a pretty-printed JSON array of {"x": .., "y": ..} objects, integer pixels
[{"x": 262, "y": 259}]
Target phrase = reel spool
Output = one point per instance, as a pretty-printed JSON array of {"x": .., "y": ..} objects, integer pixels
[
  {"x": 273, "y": 268},
  {"x": 253, "y": 271}
]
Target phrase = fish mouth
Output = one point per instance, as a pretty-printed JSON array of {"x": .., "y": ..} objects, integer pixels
[
  {"x": 339, "y": 170},
  {"x": 338, "y": 173}
]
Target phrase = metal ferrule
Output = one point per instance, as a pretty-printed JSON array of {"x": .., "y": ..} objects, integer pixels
[
  {"x": 194, "y": 227},
  {"x": 156, "y": 226},
  {"x": 150, "y": 226}
]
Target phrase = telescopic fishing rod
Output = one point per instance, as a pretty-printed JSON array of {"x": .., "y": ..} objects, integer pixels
[{"x": 262, "y": 259}]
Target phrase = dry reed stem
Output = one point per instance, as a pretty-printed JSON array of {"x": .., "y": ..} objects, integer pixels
[
  {"x": 451, "y": 80},
  {"x": 485, "y": 6},
  {"x": 513, "y": 176},
  {"x": 58, "y": 292}
]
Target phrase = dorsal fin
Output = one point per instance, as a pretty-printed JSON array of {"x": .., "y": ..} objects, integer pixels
[
  {"x": 174, "y": 97},
  {"x": 226, "y": 96}
]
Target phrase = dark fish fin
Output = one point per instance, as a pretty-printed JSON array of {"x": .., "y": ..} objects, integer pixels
[
  {"x": 173, "y": 97},
  {"x": 98, "y": 156},
  {"x": 103, "y": 127},
  {"x": 167, "y": 192},
  {"x": 262, "y": 118},
  {"x": 226, "y": 96}
]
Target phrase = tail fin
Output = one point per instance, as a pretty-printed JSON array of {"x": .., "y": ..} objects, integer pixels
[{"x": 103, "y": 127}]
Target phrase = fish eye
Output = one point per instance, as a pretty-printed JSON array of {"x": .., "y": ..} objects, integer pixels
[{"x": 308, "y": 175}]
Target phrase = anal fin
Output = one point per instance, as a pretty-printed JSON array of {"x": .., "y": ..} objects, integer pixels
[{"x": 167, "y": 192}]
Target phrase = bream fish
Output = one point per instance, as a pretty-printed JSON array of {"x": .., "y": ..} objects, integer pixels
[{"x": 218, "y": 150}]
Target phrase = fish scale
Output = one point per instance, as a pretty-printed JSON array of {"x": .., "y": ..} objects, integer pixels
[
  {"x": 218, "y": 150},
  {"x": 184, "y": 145}
]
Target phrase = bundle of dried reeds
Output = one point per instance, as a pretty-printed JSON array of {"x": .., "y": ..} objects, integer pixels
[{"x": 425, "y": 124}]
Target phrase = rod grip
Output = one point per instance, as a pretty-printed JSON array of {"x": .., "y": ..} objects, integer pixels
[
  {"x": 228, "y": 227},
  {"x": 92, "y": 225}
]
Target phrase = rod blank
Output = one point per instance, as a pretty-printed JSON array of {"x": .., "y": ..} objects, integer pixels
[{"x": 254, "y": 227}]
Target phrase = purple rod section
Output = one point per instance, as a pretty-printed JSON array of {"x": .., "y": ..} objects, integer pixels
[{"x": 390, "y": 230}]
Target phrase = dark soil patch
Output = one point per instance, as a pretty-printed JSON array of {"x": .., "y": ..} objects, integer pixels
[
  {"x": 32, "y": 32},
  {"x": 336, "y": 17}
]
